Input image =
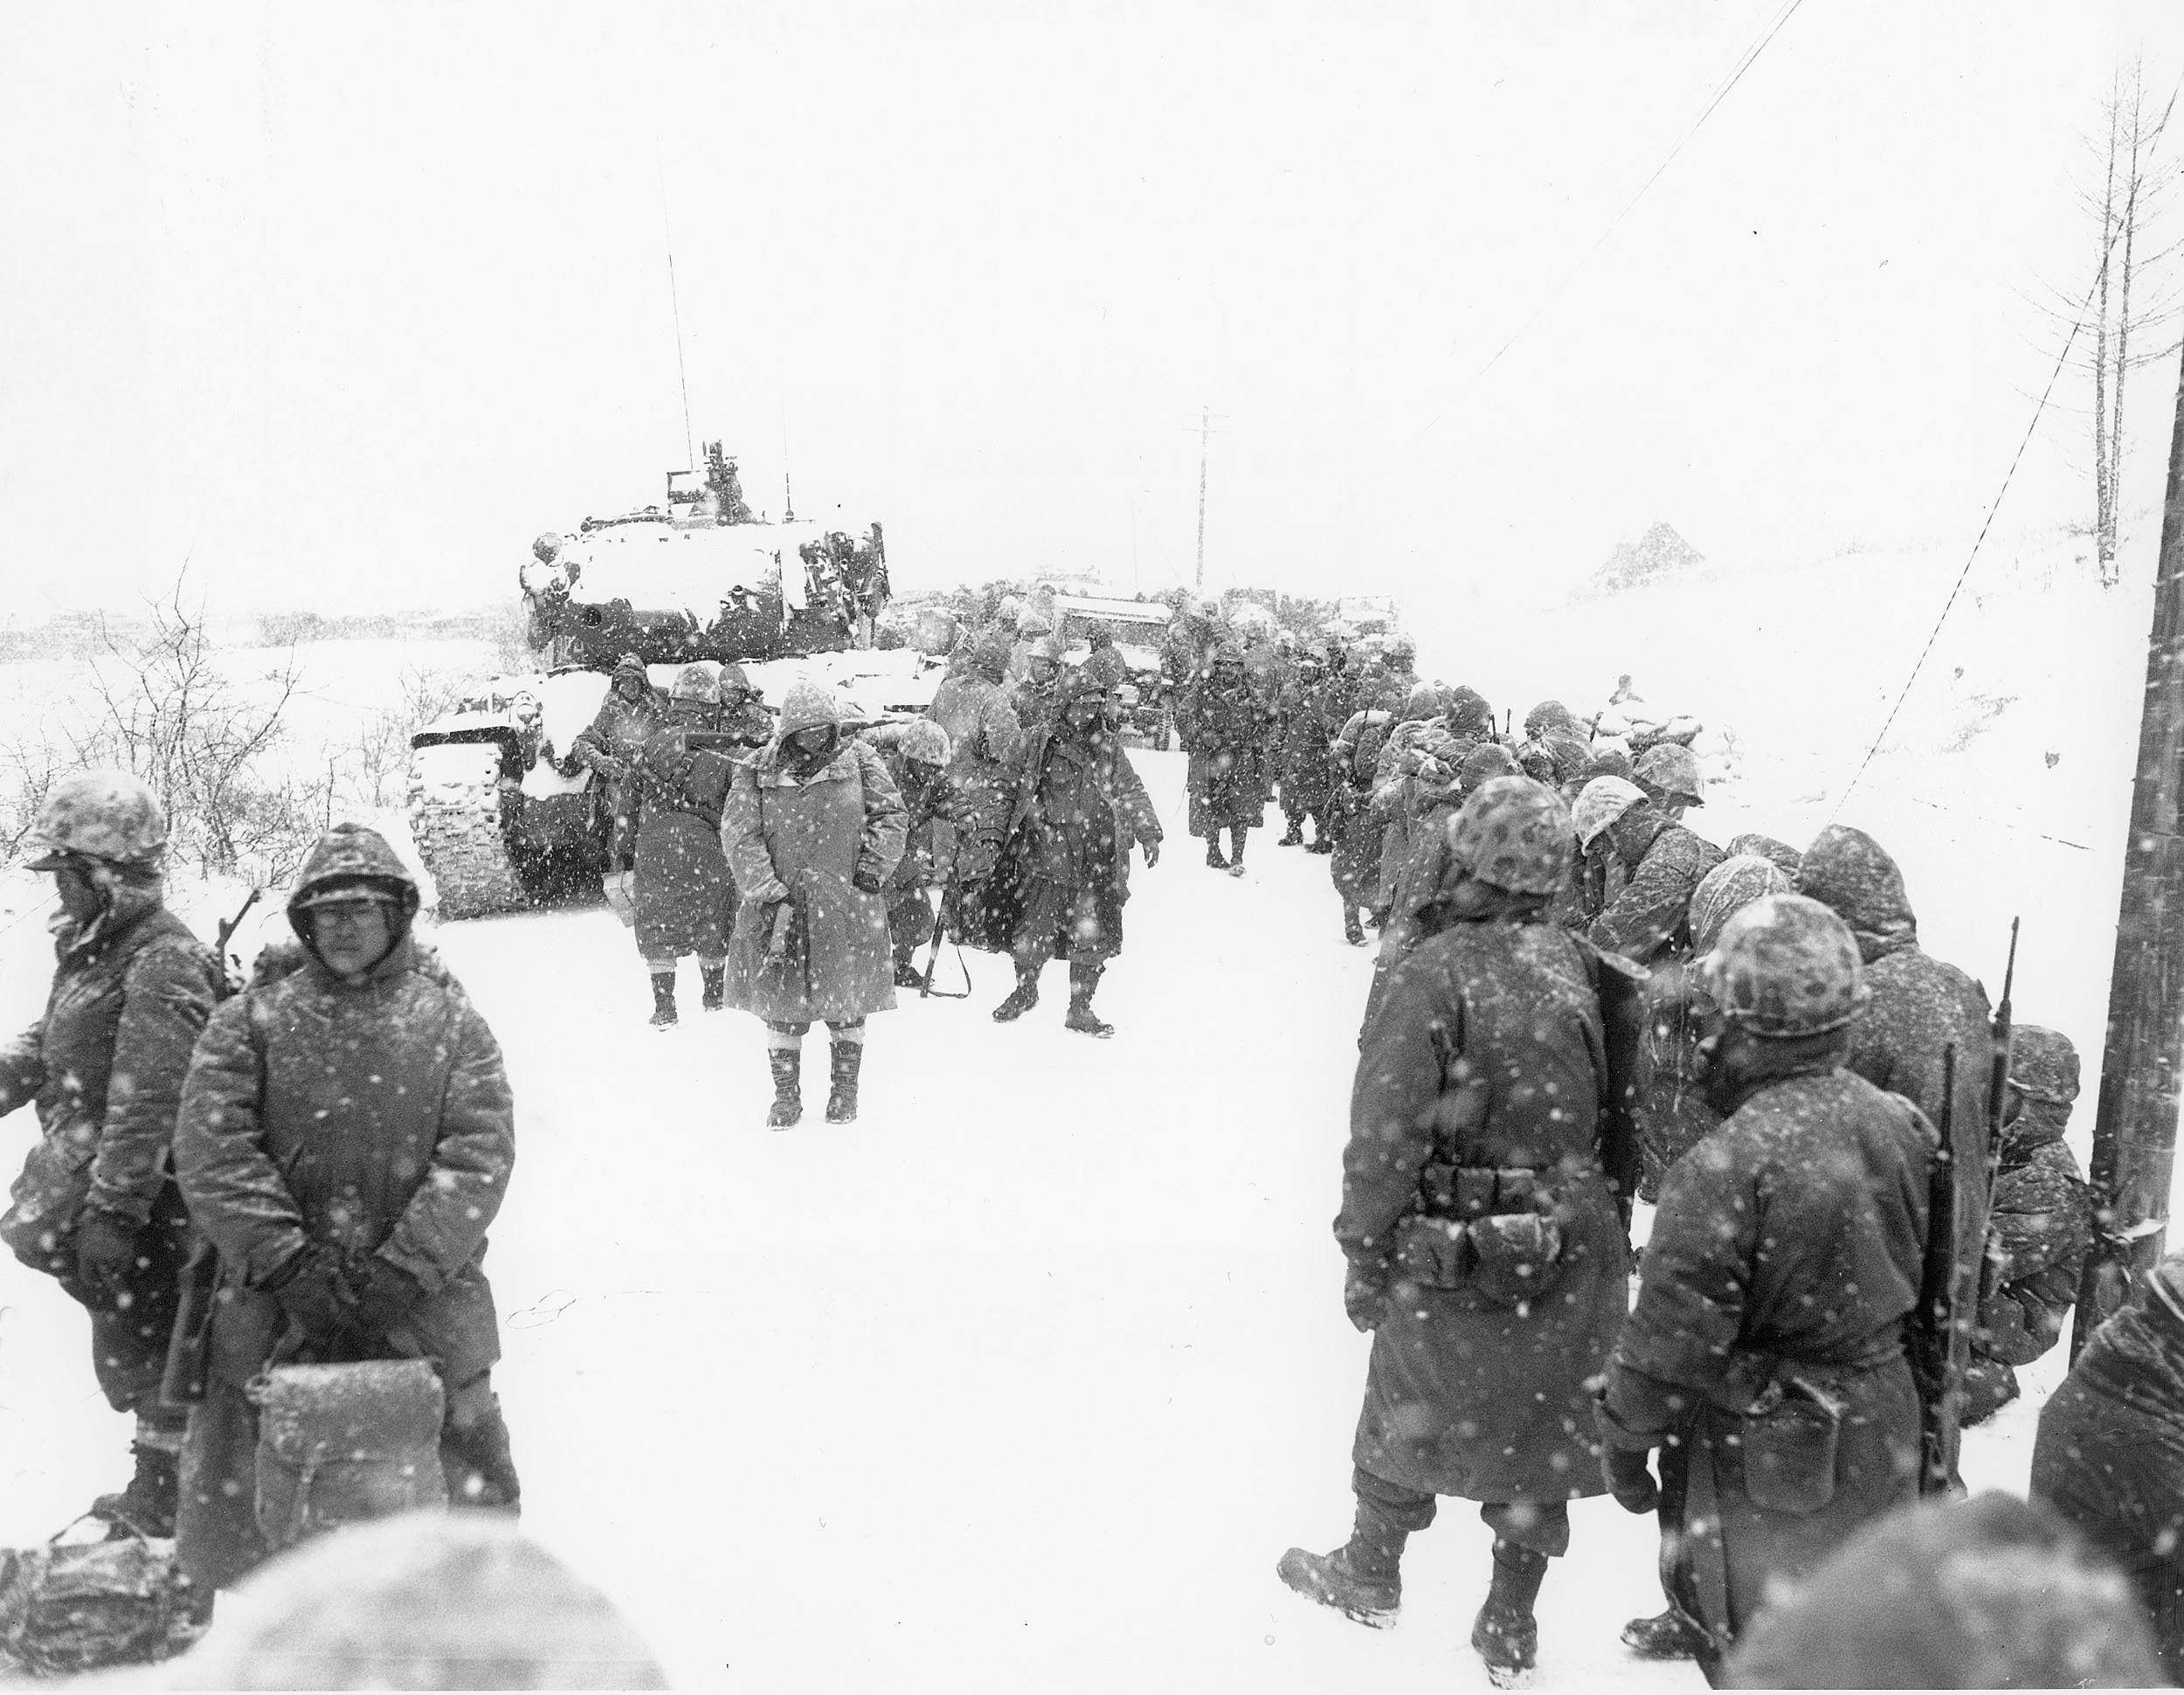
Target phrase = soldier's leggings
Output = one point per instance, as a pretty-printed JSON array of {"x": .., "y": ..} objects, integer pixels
[{"x": 1542, "y": 1526}]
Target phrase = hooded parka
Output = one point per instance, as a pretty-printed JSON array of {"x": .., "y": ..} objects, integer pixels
[
  {"x": 806, "y": 842},
  {"x": 985, "y": 740},
  {"x": 1649, "y": 917},
  {"x": 610, "y": 745},
  {"x": 1222, "y": 724},
  {"x": 368, "y": 1117},
  {"x": 684, "y": 895}
]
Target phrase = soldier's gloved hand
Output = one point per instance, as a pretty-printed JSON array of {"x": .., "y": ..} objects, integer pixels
[
  {"x": 1628, "y": 1479},
  {"x": 1365, "y": 1297},
  {"x": 867, "y": 881},
  {"x": 309, "y": 1290},
  {"x": 384, "y": 1295},
  {"x": 1153, "y": 853},
  {"x": 106, "y": 1246}
]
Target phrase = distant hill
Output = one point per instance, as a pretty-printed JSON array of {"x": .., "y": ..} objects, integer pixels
[{"x": 1662, "y": 554}]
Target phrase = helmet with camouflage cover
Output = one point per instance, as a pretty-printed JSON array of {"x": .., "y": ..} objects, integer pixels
[
  {"x": 925, "y": 742},
  {"x": 1787, "y": 965},
  {"x": 112, "y": 816},
  {"x": 1671, "y": 769},
  {"x": 1600, "y": 802},
  {"x": 1048, "y": 646},
  {"x": 1033, "y": 622},
  {"x": 1514, "y": 833},
  {"x": 697, "y": 682},
  {"x": 1735, "y": 884},
  {"x": 2043, "y": 1064},
  {"x": 1401, "y": 648}
]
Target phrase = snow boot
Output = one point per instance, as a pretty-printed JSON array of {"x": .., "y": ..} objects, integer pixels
[
  {"x": 788, "y": 1087},
  {"x": 1353, "y": 931},
  {"x": 1664, "y": 1637},
  {"x": 907, "y": 975},
  {"x": 1236, "y": 834},
  {"x": 1293, "y": 837},
  {"x": 1083, "y": 979},
  {"x": 663, "y": 999},
  {"x": 1214, "y": 859},
  {"x": 147, "y": 1506},
  {"x": 1505, "y": 1633},
  {"x": 842, "y": 1099},
  {"x": 1362, "y": 1579},
  {"x": 1321, "y": 842},
  {"x": 1021, "y": 999},
  {"x": 716, "y": 996}
]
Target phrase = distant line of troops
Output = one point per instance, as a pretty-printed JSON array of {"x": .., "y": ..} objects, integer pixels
[{"x": 1578, "y": 998}]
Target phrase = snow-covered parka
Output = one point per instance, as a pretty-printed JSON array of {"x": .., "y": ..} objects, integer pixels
[
  {"x": 985, "y": 741},
  {"x": 373, "y": 1117},
  {"x": 1080, "y": 807},
  {"x": 1469, "y": 718},
  {"x": 805, "y": 842},
  {"x": 619, "y": 730},
  {"x": 2110, "y": 1455},
  {"x": 930, "y": 806},
  {"x": 1480, "y": 1090},
  {"x": 684, "y": 895},
  {"x": 2038, "y": 1235},
  {"x": 1224, "y": 730},
  {"x": 1650, "y": 916},
  {"x": 1307, "y": 730},
  {"x": 105, "y": 1066},
  {"x": 1785, "y": 1257}
]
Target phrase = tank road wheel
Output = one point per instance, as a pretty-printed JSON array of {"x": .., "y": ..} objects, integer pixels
[{"x": 456, "y": 817}]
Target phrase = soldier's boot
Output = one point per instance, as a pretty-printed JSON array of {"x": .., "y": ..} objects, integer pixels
[
  {"x": 1989, "y": 1385},
  {"x": 663, "y": 999},
  {"x": 1505, "y": 1633},
  {"x": 1294, "y": 836},
  {"x": 1214, "y": 855},
  {"x": 716, "y": 996},
  {"x": 1362, "y": 1579},
  {"x": 1353, "y": 931},
  {"x": 147, "y": 1506},
  {"x": 788, "y": 1087},
  {"x": 1321, "y": 842},
  {"x": 1664, "y": 1637},
  {"x": 1236, "y": 834},
  {"x": 1021, "y": 999},
  {"x": 841, "y": 1098},
  {"x": 907, "y": 975},
  {"x": 1084, "y": 977}
]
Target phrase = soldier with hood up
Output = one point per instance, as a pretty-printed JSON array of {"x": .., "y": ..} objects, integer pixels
[
  {"x": 1222, "y": 725},
  {"x": 96, "y": 1207},
  {"x": 1667, "y": 771},
  {"x": 1065, "y": 877},
  {"x": 1484, "y": 1242},
  {"x": 685, "y": 896},
  {"x": 610, "y": 743},
  {"x": 1307, "y": 730},
  {"x": 985, "y": 739},
  {"x": 917, "y": 757},
  {"x": 1766, "y": 1357},
  {"x": 2041, "y": 1226},
  {"x": 813, "y": 827},
  {"x": 345, "y": 1140}
]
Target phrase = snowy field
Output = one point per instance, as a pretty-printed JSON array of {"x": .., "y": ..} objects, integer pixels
[{"x": 1026, "y": 1378}]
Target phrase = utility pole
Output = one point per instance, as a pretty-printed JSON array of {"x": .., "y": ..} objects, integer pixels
[
  {"x": 1206, "y": 433},
  {"x": 2134, "y": 1134}
]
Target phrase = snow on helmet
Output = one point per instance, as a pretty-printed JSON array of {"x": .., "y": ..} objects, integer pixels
[
  {"x": 1048, "y": 646},
  {"x": 112, "y": 816},
  {"x": 1670, "y": 768},
  {"x": 733, "y": 680},
  {"x": 697, "y": 682},
  {"x": 1515, "y": 833},
  {"x": 1534, "y": 760},
  {"x": 1207, "y": 606},
  {"x": 1033, "y": 622},
  {"x": 1010, "y": 610},
  {"x": 1736, "y": 883},
  {"x": 1423, "y": 700},
  {"x": 1229, "y": 653},
  {"x": 1786, "y": 966},
  {"x": 2043, "y": 1064},
  {"x": 1600, "y": 803},
  {"x": 925, "y": 742},
  {"x": 1400, "y": 646},
  {"x": 1485, "y": 763},
  {"x": 546, "y": 547},
  {"x": 807, "y": 706}
]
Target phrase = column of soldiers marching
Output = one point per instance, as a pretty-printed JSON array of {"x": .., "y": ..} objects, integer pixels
[{"x": 1577, "y": 1003}]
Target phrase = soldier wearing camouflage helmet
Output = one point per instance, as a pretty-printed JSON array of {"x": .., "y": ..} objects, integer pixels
[
  {"x": 1222, "y": 725},
  {"x": 96, "y": 1206},
  {"x": 685, "y": 897},
  {"x": 1485, "y": 1241},
  {"x": 1766, "y": 1356},
  {"x": 1667, "y": 771},
  {"x": 916, "y": 757}
]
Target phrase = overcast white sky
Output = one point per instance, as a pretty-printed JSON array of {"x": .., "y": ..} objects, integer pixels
[{"x": 353, "y": 300}]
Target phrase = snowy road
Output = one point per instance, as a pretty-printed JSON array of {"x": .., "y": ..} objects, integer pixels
[{"x": 1024, "y": 1381}]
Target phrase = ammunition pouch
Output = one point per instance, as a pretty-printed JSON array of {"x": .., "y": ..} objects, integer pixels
[
  {"x": 1790, "y": 1434},
  {"x": 1490, "y": 1230}
]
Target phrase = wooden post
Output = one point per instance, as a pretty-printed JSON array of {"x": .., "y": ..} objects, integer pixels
[
  {"x": 1205, "y": 435},
  {"x": 2134, "y": 1134}
]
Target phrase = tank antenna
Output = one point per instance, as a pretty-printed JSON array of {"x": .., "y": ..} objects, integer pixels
[
  {"x": 788, "y": 514},
  {"x": 689, "y": 452}
]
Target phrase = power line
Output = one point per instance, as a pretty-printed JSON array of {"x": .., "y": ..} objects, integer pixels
[{"x": 1750, "y": 57}]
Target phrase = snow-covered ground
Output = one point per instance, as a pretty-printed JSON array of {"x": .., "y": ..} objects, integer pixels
[{"x": 1026, "y": 1378}]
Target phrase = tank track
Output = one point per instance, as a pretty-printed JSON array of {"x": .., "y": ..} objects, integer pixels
[{"x": 455, "y": 817}]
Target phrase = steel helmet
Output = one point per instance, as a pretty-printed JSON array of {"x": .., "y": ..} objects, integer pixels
[
  {"x": 1010, "y": 609},
  {"x": 1670, "y": 768},
  {"x": 733, "y": 680},
  {"x": 1786, "y": 966},
  {"x": 107, "y": 815},
  {"x": 697, "y": 682},
  {"x": 1208, "y": 608},
  {"x": 1033, "y": 622},
  {"x": 1515, "y": 833},
  {"x": 1402, "y": 646},
  {"x": 2043, "y": 1064},
  {"x": 925, "y": 742},
  {"x": 546, "y": 547},
  {"x": 1048, "y": 646},
  {"x": 1600, "y": 803}
]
